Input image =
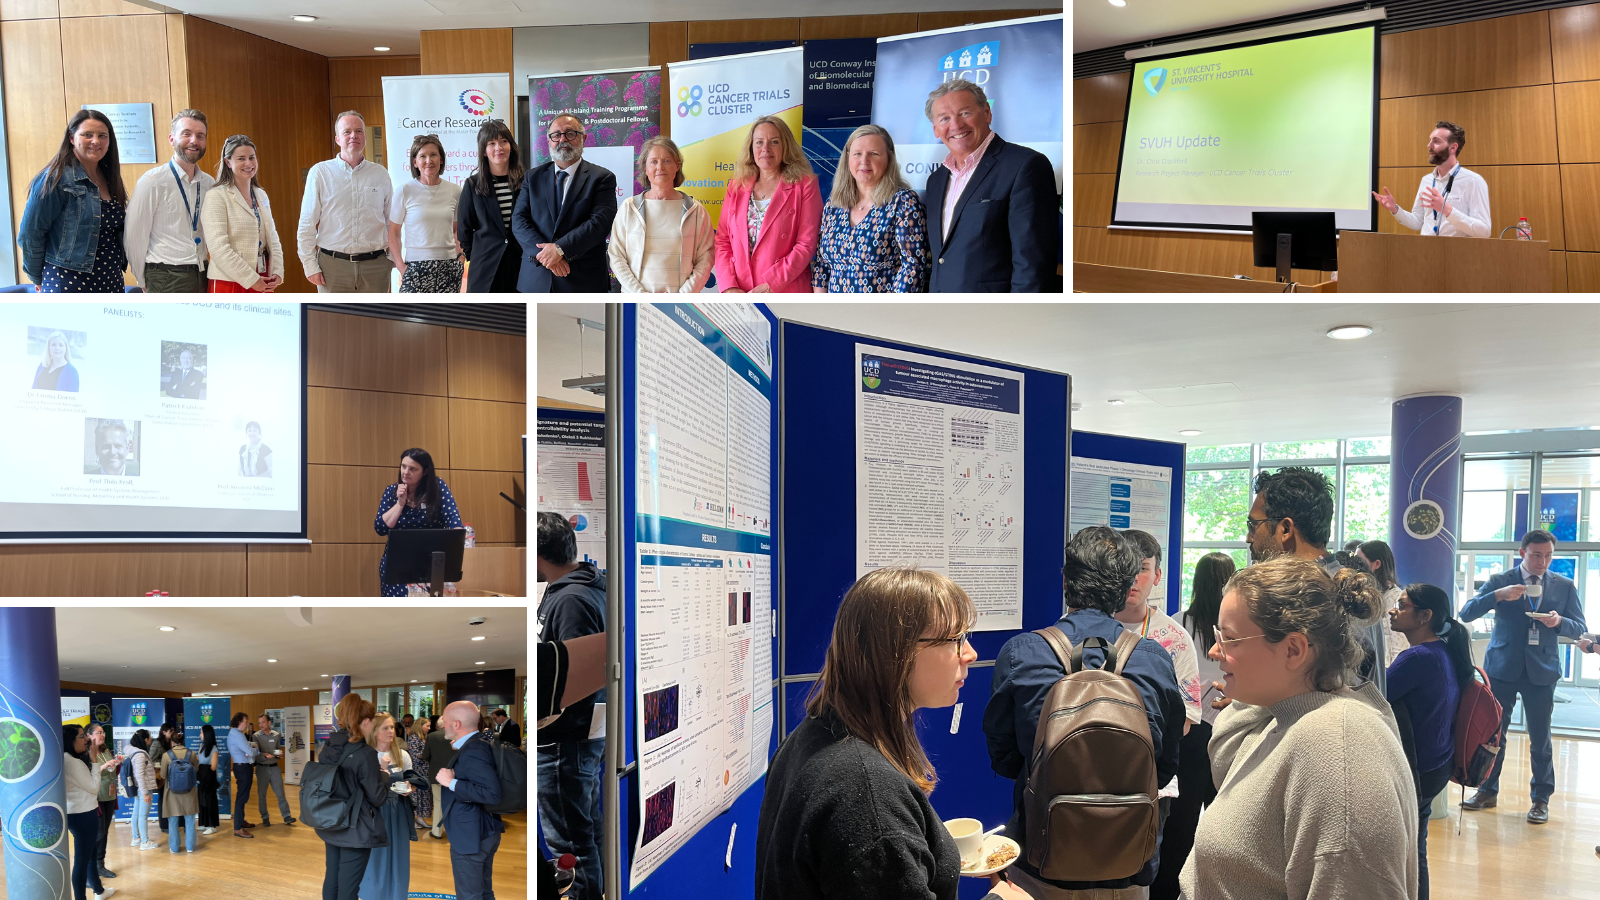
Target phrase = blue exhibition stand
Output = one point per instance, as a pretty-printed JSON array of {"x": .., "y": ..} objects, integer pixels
[{"x": 1116, "y": 448}]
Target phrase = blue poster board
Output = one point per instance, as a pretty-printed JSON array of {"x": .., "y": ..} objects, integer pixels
[{"x": 1116, "y": 448}]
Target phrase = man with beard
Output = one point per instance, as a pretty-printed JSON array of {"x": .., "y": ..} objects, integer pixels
[
  {"x": 166, "y": 250},
  {"x": 1293, "y": 515},
  {"x": 563, "y": 217},
  {"x": 1451, "y": 201}
]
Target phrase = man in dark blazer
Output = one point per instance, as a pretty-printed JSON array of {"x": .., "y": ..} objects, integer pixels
[
  {"x": 507, "y": 731},
  {"x": 563, "y": 217},
  {"x": 185, "y": 380},
  {"x": 1001, "y": 232},
  {"x": 438, "y": 754},
  {"x": 1523, "y": 658},
  {"x": 470, "y": 784}
]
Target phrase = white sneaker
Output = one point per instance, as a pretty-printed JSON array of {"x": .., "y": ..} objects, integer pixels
[
  {"x": 208, "y": 830},
  {"x": 149, "y": 845},
  {"x": 109, "y": 892}
]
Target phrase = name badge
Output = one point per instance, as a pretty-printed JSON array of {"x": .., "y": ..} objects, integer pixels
[{"x": 1533, "y": 634}]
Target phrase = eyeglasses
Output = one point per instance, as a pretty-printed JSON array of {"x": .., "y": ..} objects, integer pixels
[
  {"x": 1226, "y": 641},
  {"x": 1250, "y": 524},
  {"x": 956, "y": 641},
  {"x": 557, "y": 137}
]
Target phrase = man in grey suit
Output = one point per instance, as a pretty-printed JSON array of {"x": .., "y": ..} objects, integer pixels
[
  {"x": 438, "y": 754},
  {"x": 269, "y": 770},
  {"x": 1532, "y": 607}
]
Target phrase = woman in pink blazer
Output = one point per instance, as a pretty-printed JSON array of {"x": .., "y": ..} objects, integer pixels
[{"x": 771, "y": 216}]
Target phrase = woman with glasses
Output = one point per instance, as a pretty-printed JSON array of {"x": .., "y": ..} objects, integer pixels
[
  {"x": 1314, "y": 797},
  {"x": 846, "y": 811},
  {"x": 246, "y": 255},
  {"x": 422, "y": 224},
  {"x": 1425, "y": 685}
]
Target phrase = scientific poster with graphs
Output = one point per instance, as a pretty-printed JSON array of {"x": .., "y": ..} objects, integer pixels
[
  {"x": 939, "y": 474},
  {"x": 1122, "y": 495},
  {"x": 570, "y": 472},
  {"x": 704, "y": 580}
]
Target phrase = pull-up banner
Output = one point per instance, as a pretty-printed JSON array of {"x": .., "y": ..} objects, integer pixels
[
  {"x": 713, "y": 103},
  {"x": 619, "y": 108},
  {"x": 199, "y": 712},
  {"x": 129, "y": 715},
  {"x": 453, "y": 107},
  {"x": 296, "y": 742}
]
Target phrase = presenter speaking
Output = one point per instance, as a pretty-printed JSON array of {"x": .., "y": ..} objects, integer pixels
[
  {"x": 420, "y": 499},
  {"x": 1451, "y": 201}
]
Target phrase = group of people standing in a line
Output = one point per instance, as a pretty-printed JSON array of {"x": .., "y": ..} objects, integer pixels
[{"x": 558, "y": 227}]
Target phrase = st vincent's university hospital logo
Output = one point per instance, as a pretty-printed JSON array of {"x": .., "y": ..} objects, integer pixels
[
  {"x": 476, "y": 103},
  {"x": 1154, "y": 80}
]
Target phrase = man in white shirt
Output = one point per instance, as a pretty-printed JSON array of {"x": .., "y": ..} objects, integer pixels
[
  {"x": 1451, "y": 201},
  {"x": 344, "y": 217},
  {"x": 165, "y": 246}
]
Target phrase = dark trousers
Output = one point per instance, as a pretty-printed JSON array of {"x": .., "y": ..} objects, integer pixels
[
  {"x": 108, "y": 811},
  {"x": 1538, "y": 701},
  {"x": 569, "y": 809},
  {"x": 1429, "y": 784},
  {"x": 161, "y": 278},
  {"x": 1195, "y": 791},
  {"x": 242, "y": 776},
  {"x": 474, "y": 872},
  {"x": 85, "y": 828},
  {"x": 345, "y": 866}
]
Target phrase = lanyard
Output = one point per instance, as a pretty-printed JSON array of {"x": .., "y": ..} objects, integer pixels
[
  {"x": 194, "y": 215},
  {"x": 1145, "y": 628},
  {"x": 1447, "y": 185},
  {"x": 255, "y": 208}
]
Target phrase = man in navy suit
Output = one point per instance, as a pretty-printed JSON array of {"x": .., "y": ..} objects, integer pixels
[
  {"x": 563, "y": 217},
  {"x": 1522, "y": 657},
  {"x": 993, "y": 212},
  {"x": 470, "y": 784}
]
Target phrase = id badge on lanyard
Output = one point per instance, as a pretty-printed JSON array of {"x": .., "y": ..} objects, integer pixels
[
  {"x": 1436, "y": 223},
  {"x": 193, "y": 213}
]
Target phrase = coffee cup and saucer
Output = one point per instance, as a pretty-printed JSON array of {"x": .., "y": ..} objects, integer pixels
[{"x": 982, "y": 854}]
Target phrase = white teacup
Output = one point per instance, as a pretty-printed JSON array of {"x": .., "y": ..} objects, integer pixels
[
  {"x": 1535, "y": 591},
  {"x": 968, "y": 834}
]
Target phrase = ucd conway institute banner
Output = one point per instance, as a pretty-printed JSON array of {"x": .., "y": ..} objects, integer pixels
[
  {"x": 199, "y": 712},
  {"x": 1018, "y": 65},
  {"x": 713, "y": 103},
  {"x": 453, "y": 107}
]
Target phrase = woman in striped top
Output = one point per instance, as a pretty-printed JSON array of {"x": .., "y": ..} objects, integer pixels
[{"x": 483, "y": 217}]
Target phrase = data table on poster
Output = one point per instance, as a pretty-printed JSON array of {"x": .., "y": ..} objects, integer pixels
[{"x": 703, "y": 577}]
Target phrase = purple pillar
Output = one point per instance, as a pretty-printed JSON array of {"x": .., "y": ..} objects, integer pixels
[
  {"x": 33, "y": 796},
  {"x": 341, "y": 686},
  {"x": 1424, "y": 478}
]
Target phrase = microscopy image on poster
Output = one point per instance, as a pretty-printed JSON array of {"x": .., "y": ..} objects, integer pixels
[{"x": 939, "y": 474}]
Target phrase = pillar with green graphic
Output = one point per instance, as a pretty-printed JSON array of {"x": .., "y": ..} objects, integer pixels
[{"x": 33, "y": 798}]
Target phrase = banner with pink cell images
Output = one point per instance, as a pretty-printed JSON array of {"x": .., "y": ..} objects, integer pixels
[{"x": 620, "y": 110}]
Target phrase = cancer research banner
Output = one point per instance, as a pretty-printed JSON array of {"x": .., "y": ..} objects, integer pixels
[
  {"x": 297, "y": 737},
  {"x": 129, "y": 715},
  {"x": 620, "y": 108},
  {"x": 1018, "y": 65},
  {"x": 713, "y": 103},
  {"x": 453, "y": 107}
]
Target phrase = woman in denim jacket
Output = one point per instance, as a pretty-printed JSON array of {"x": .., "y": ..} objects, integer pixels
[{"x": 71, "y": 232}]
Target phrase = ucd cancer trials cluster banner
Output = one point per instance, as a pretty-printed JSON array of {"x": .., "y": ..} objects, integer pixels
[
  {"x": 453, "y": 107},
  {"x": 713, "y": 103},
  {"x": 1018, "y": 65}
]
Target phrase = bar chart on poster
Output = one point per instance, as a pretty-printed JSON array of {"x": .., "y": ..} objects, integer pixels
[{"x": 570, "y": 472}]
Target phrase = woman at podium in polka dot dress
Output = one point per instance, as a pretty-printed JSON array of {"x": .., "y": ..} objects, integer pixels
[{"x": 420, "y": 499}]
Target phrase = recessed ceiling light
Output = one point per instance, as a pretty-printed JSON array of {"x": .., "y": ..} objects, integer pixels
[
  {"x": 480, "y": 673},
  {"x": 1119, "y": 2},
  {"x": 1188, "y": 432},
  {"x": 166, "y": 628},
  {"x": 1115, "y": 402},
  {"x": 213, "y": 684},
  {"x": 381, "y": 49},
  {"x": 322, "y": 676},
  {"x": 1349, "y": 332},
  {"x": 304, "y": 18},
  {"x": 480, "y": 662},
  {"x": 271, "y": 660},
  {"x": 478, "y": 638},
  {"x": 413, "y": 681}
]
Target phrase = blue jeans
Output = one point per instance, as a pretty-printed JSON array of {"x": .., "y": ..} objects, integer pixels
[
  {"x": 141, "y": 818},
  {"x": 188, "y": 831},
  {"x": 1429, "y": 784},
  {"x": 570, "y": 811},
  {"x": 1538, "y": 701}
]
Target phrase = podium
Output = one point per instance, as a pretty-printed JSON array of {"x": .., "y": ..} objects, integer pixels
[{"x": 1372, "y": 262}]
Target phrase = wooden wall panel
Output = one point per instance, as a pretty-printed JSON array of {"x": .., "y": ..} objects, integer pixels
[
  {"x": 478, "y": 500},
  {"x": 466, "y": 51},
  {"x": 1507, "y": 126},
  {"x": 365, "y": 353},
  {"x": 1092, "y": 197},
  {"x": 342, "y": 501},
  {"x": 1580, "y": 185},
  {"x": 30, "y": 51},
  {"x": 669, "y": 43},
  {"x": 120, "y": 690},
  {"x": 486, "y": 435},
  {"x": 1578, "y": 121},
  {"x": 1095, "y": 148},
  {"x": 727, "y": 30},
  {"x": 1510, "y": 51},
  {"x": 1575, "y": 42},
  {"x": 552, "y": 403},
  {"x": 495, "y": 567},
  {"x": 488, "y": 366},
  {"x": 256, "y": 704},
  {"x": 92, "y": 74},
  {"x": 314, "y": 570},
  {"x": 114, "y": 570},
  {"x": 29, "y": 9},
  {"x": 76, "y": 8},
  {"x": 362, "y": 76},
  {"x": 1558, "y": 272},
  {"x": 1203, "y": 254},
  {"x": 1514, "y": 192},
  {"x": 827, "y": 27},
  {"x": 178, "y": 64},
  {"x": 1583, "y": 272},
  {"x": 936, "y": 20},
  {"x": 369, "y": 428},
  {"x": 1103, "y": 98}
]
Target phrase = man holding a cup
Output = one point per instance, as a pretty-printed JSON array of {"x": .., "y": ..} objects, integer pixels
[{"x": 1532, "y": 607}]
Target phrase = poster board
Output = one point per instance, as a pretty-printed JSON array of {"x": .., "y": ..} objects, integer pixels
[
  {"x": 1151, "y": 473},
  {"x": 297, "y": 738},
  {"x": 570, "y": 473}
]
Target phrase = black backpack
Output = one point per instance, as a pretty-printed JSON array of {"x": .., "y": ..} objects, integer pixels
[
  {"x": 326, "y": 802},
  {"x": 511, "y": 767},
  {"x": 130, "y": 785}
]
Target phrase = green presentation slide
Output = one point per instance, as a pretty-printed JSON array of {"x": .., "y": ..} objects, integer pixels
[{"x": 1279, "y": 126}]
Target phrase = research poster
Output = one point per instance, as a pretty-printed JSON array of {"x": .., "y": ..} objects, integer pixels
[
  {"x": 570, "y": 472},
  {"x": 939, "y": 474},
  {"x": 1123, "y": 495},
  {"x": 296, "y": 743},
  {"x": 451, "y": 107},
  {"x": 704, "y": 576}
]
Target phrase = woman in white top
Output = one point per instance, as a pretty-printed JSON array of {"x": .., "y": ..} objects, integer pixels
[
  {"x": 662, "y": 241},
  {"x": 1377, "y": 556},
  {"x": 246, "y": 255},
  {"x": 83, "y": 810},
  {"x": 422, "y": 220}
]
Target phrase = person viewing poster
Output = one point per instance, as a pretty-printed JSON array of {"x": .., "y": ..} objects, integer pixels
[{"x": 939, "y": 474}]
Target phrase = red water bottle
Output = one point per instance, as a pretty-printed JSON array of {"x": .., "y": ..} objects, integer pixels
[{"x": 566, "y": 872}]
